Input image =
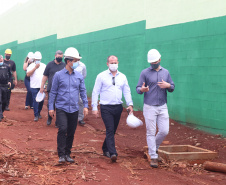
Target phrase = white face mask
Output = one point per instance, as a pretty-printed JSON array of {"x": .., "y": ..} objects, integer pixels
[{"x": 113, "y": 67}]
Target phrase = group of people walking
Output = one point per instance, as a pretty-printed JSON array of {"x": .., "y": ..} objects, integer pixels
[{"x": 68, "y": 98}]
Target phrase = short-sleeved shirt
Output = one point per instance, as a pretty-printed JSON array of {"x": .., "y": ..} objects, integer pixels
[
  {"x": 5, "y": 74},
  {"x": 50, "y": 71},
  {"x": 11, "y": 64}
]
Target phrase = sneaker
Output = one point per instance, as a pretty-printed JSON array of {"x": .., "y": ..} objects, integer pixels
[
  {"x": 7, "y": 108},
  {"x": 26, "y": 107},
  {"x": 32, "y": 107},
  {"x": 69, "y": 159},
  {"x": 62, "y": 159},
  {"x": 81, "y": 123},
  {"x": 113, "y": 158},
  {"x": 48, "y": 122},
  {"x": 36, "y": 118},
  {"x": 39, "y": 116},
  {"x": 154, "y": 163},
  {"x": 159, "y": 158}
]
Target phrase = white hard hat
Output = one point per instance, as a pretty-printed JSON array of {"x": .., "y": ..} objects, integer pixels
[
  {"x": 133, "y": 122},
  {"x": 40, "y": 96},
  {"x": 72, "y": 52},
  {"x": 153, "y": 56},
  {"x": 30, "y": 55},
  {"x": 37, "y": 55}
]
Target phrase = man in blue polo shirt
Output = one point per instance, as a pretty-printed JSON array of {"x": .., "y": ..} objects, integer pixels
[
  {"x": 154, "y": 82},
  {"x": 66, "y": 86}
]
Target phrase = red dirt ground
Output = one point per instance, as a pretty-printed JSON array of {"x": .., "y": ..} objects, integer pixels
[{"x": 28, "y": 152}]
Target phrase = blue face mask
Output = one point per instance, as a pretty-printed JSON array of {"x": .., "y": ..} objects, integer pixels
[
  {"x": 1, "y": 63},
  {"x": 37, "y": 62},
  {"x": 75, "y": 65},
  {"x": 155, "y": 66}
]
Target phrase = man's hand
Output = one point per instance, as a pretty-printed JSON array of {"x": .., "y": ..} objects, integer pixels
[
  {"x": 144, "y": 89},
  {"x": 85, "y": 112},
  {"x": 37, "y": 65},
  {"x": 130, "y": 109},
  {"x": 96, "y": 113},
  {"x": 15, "y": 82},
  {"x": 51, "y": 113},
  {"x": 163, "y": 84},
  {"x": 9, "y": 83},
  {"x": 41, "y": 90}
]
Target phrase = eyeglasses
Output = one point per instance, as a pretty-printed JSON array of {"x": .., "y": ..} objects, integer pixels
[{"x": 113, "y": 80}]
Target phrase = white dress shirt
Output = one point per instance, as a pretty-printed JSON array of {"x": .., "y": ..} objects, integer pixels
[{"x": 111, "y": 94}]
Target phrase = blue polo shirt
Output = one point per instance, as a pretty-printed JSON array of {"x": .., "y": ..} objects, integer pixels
[{"x": 65, "y": 90}]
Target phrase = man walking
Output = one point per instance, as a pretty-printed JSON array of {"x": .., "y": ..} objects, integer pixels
[
  {"x": 50, "y": 70},
  {"x": 11, "y": 64},
  {"x": 82, "y": 70},
  {"x": 66, "y": 86},
  {"x": 5, "y": 77},
  {"x": 35, "y": 71},
  {"x": 110, "y": 84},
  {"x": 154, "y": 82}
]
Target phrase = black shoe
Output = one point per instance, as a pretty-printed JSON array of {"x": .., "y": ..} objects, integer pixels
[
  {"x": 36, "y": 118},
  {"x": 62, "y": 159},
  {"x": 113, "y": 158},
  {"x": 7, "y": 108},
  {"x": 69, "y": 159},
  {"x": 39, "y": 116},
  {"x": 81, "y": 123},
  {"x": 107, "y": 154},
  {"x": 48, "y": 122}
]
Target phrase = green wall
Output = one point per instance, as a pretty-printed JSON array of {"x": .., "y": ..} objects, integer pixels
[{"x": 193, "y": 52}]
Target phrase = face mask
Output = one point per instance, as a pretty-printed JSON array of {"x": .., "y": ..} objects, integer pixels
[
  {"x": 7, "y": 57},
  {"x": 113, "y": 67},
  {"x": 75, "y": 65},
  {"x": 155, "y": 66},
  {"x": 59, "y": 59},
  {"x": 37, "y": 62},
  {"x": 1, "y": 63}
]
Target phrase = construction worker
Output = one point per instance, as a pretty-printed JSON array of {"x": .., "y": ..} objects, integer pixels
[
  {"x": 5, "y": 77},
  {"x": 35, "y": 72},
  {"x": 66, "y": 86},
  {"x": 154, "y": 82},
  {"x": 11, "y": 64},
  {"x": 51, "y": 68},
  {"x": 82, "y": 70}
]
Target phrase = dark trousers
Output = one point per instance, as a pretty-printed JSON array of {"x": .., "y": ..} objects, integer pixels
[
  {"x": 37, "y": 105},
  {"x": 67, "y": 123},
  {"x": 3, "y": 100},
  {"x": 110, "y": 115},
  {"x": 9, "y": 92},
  {"x": 29, "y": 100}
]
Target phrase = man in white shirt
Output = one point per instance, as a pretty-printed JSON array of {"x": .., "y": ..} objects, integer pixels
[
  {"x": 82, "y": 70},
  {"x": 35, "y": 71},
  {"x": 110, "y": 84}
]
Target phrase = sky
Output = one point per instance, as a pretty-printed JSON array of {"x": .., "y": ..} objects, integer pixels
[{"x": 6, "y": 5}]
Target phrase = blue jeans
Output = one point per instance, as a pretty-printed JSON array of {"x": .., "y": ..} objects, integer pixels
[
  {"x": 37, "y": 105},
  {"x": 29, "y": 100}
]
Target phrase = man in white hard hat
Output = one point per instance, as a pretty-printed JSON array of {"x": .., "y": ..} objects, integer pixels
[
  {"x": 35, "y": 72},
  {"x": 154, "y": 82},
  {"x": 110, "y": 85},
  {"x": 66, "y": 86},
  {"x": 11, "y": 64},
  {"x": 82, "y": 70},
  {"x": 51, "y": 68}
]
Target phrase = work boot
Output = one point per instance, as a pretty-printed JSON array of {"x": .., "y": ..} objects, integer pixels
[
  {"x": 81, "y": 123},
  {"x": 154, "y": 163},
  {"x": 62, "y": 159},
  {"x": 113, "y": 158},
  {"x": 48, "y": 122},
  {"x": 36, "y": 118},
  {"x": 69, "y": 159},
  {"x": 7, "y": 108},
  {"x": 107, "y": 154}
]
